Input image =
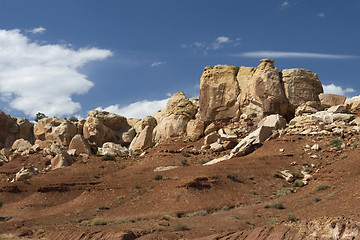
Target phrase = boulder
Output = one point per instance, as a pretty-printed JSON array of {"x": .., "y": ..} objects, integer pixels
[
  {"x": 61, "y": 160},
  {"x": 212, "y": 127},
  {"x": 251, "y": 142},
  {"x": 195, "y": 129},
  {"x": 327, "y": 100},
  {"x": 338, "y": 109},
  {"x": 80, "y": 145},
  {"x": 218, "y": 93},
  {"x": 113, "y": 149},
  {"x": 216, "y": 147},
  {"x": 179, "y": 105},
  {"x": 261, "y": 90},
  {"x": 144, "y": 130},
  {"x": 308, "y": 107},
  {"x": 275, "y": 121},
  {"x": 12, "y": 128},
  {"x": 21, "y": 145},
  {"x": 211, "y": 138},
  {"x": 55, "y": 129},
  {"x": 102, "y": 126},
  {"x": 25, "y": 174},
  {"x": 170, "y": 126},
  {"x": 300, "y": 86},
  {"x": 353, "y": 103}
]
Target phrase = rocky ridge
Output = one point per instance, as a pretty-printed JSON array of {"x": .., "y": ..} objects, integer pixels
[{"x": 238, "y": 110}]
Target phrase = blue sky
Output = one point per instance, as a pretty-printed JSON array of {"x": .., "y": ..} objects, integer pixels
[{"x": 67, "y": 57}]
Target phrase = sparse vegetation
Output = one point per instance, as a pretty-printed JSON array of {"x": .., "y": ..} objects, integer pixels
[
  {"x": 336, "y": 143},
  {"x": 278, "y": 205},
  {"x": 198, "y": 213},
  {"x": 166, "y": 217},
  {"x": 233, "y": 177},
  {"x": 1, "y": 203},
  {"x": 297, "y": 175},
  {"x": 282, "y": 192},
  {"x": 39, "y": 116},
  {"x": 299, "y": 183},
  {"x": 103, "y": 207},
  {"x": 277, "y": 174},
  {"x": 292, "y": 218},
  {"x": 181, "y": 227},
  {"x": 73, "y": 119},
  {"x": 185, "y": 154},
  {"x": 322, "y": 187},
  {"x": 121, "y": 220},
  {"x": 343, "y": 156},
  {"x": 108, "y": 157},
  {"x": 40, "y": 231},
  {"x": 159, "y": 177},
  {"x": 98, "y": 221},
  {"x": 317, "y": 199}
]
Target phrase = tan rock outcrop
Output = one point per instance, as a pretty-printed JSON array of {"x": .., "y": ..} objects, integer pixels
[
  {"x": 300, "y": 86},
  {"x": 80, "y": 145},
  {"x": 218, "y": 93},
  {"x": 261, "y": 90},
  {"x": 327, "y": 100},
  {"x": 61, "y": 160},
  {"x": 101, "y": 127},
  {"x": 353, "y": 103},
  {"x": 143, "y": 139},
  {"x": 12, "y": 128},
  {"x": 113, "y": 149},
  {"x": 178, "y": 104},
  {"x": 21, "y": 145},
  {"x": 275, "y": 121},
  {"x": 195, "y": 129},
  {"x": 170, "y": 126},
  {"x": 55, "y": 130}
]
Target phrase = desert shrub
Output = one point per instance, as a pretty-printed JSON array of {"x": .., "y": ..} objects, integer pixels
[
  {"x": 108, "y": 157},
  {"x": 184, "y": 162},
  {"x": 233, "y": 177},
  {"x": 282, "y": 192},
  {"x": 98, "y": 221},
  {"x": 121, "y": 220},
  {"x": 297, "y": 175},
  {"x": 278, "y": 205},
  {"x": 198, "y": 213},
  {"x": 158, "y": 177},
  {"x": 103, "y": 207},
  {"x": 336, "y": 143},
  {"x": 40, "y": 231},
  {"x": 73, "y": 119},
  {"x": 184, "y": 154},
  {"x": 39, "y": 116},
  {"x": 292, "y": 218},
  {"x": 277, "y": 174},
  {"x": 137, "y": 186},
  {"x": 166, "y": 217},
  {"x": 181, "y": 227},
  {"x": 343, "y": 156},
  {"x": 322, "y": 187},
  {"x": 317, "y": 199},
  {"x": 1, "y": 203},
  {"x": 299, "y": 183}
]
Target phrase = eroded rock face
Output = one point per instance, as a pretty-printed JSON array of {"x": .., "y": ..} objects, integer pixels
[
  {"x": 170, "y": 126},
  {"x": 261, "y": 90},
  {"x": 178, "y": 104},
  {"x": 101, "y": 127},
  {"x": 218, "y": 93},
  {"x": 143, "y": 139},
  {"x": 328, "y": 100},
  {"x": 195, "y": 129},
  {"x": 12, "y": 128},
  {"x": 80, "y": 145},
  {"x": 300, "y": 86},
  {"x": 55, "y": 130}
]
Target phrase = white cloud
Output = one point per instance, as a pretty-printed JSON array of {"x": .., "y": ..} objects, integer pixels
[
  {"x": 278, "y": 54},
  {"x": 37, "y": 30},
  {"x": 156, "y": 64},
  {"x": 322, "y": 15},
  {"x": 332, "y": 88},
  {"x": 138, "y": 109},
  {"x": 42, "y": 78},
  {"x": 218, "y": 43},
  {"x": 285, "y": 4}
]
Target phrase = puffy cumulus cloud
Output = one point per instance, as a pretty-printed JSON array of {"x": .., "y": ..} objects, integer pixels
[
  {"x": 332, "y": 88},
  {"x": 42, "y": 78},
  {"x": 321, "y": 15},
  {"x": 37, "y": 30},
  {"x": 138, "y": 109},
  {"x": 285, "y": 4}
]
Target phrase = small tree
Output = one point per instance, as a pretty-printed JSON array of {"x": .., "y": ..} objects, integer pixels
[
  {"x": 39, "y": 116},
  {"x": 73, "y": 119}
]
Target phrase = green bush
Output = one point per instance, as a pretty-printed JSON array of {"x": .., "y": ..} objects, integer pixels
[
  {"x": 184, "y": 154},
  {"x": 166, "y": 217},
  {"x": 299, "y": 183},
  {"x": 98, "y": 221},
  {"x": 198, "y": 213},
  {"x": 322, "y": 187},
  {"x": 292, "y": 218},
  {"x": 233, "y": 177},
  {"x": 278, "y": 205},
  {"x": 336, "y": 143},
  {"x": 317, "y": 199},
  {"x": 39, "y": 116},
  {"x": 159, "y": 177},
  {"x": 108, "y": 157},
  {"x": 181, "y": 227}
]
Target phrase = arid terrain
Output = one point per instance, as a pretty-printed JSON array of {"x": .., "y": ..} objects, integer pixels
[{"x": 125, "y": 199}]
